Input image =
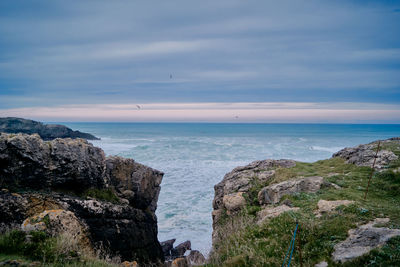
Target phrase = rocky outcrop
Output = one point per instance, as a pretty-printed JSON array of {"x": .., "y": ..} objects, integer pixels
[
  {"x": 46, "y": 131},
  {"x": 240, "y": 178},
  {"x": 363, "y": 155},
  {"x": 272, "y": 194},
  {"x": 53, "y": 178},
  {"x": 363, "y": 239}
]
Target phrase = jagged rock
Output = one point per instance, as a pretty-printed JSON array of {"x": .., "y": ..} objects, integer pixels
[
  {"x": 363, "y": 239},
  {"x": 363, "y": 155},
  {"x": 167, "y": 246},
  {"x": 46, "y": 131},
  {"x": 196, "y": 258},
  {"x": 127, "y": 229},
  {"x": 325, "y": 206},
  {"x": 180, "y": 249},
  {"x": 271, "y": 212},
  {"x": 234, "y": 202},
  {"x": 273, "y": 193},
  {"x": 28, "y": 162},
  {"x": 138, "y": 183}
]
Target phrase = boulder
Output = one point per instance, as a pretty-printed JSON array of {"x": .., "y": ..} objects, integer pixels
[
  {"x": 271, "y": 212},
  {"x": 45, "y": 131},
  {"x": 326, "y": 206},
  {"x": 272, "y": 194},
  {"x": 363, "y": 239},
  {"x": 234, "y": 202}
]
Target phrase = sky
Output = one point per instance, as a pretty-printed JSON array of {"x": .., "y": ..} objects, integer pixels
[{"x": 180, "y": 60}]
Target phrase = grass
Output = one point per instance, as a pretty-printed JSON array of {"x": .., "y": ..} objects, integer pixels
[
  {"x": 101, "y": 194},
  {"x": 249, "y": 244},
  {"x": 38, "y": 247}
]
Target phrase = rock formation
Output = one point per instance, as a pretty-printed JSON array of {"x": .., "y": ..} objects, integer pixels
[
  {"x": 363, "y": 155},
  {"x": 46, "y": 131},
  {"x": 363, "y": 239},
  {"x": 53, "y": 179}
]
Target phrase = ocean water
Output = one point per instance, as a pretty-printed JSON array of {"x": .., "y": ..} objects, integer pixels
[{"x": 196, "y": 156}]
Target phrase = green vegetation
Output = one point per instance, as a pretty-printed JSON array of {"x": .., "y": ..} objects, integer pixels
[
  {"x": 247, "y": 244},
  {"x": 38, "y": 247},
  {"x": 101, "y": 194}
]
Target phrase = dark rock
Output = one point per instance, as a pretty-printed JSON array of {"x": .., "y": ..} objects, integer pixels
[
  {"x": 180, "y": 249},
  {"x": 167, "y": 246},
  {"x": 28, "y": 162},
  {"x": 46, "y": 131},
  {"x": 71, "y": 166}
]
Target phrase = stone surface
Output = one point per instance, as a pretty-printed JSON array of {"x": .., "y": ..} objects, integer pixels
[
  {"x": 167, "y": 246},
  {"x": 273, "y": 193},
  {"x": 127, "y": 228},
  {"x": 46, "y": 131},
  {"x": 363, "y": 239},
  {"x": 363, "y": 155},
  {"x": 234, "y": 202},
  {"x": 180, "y": 249},
  {"x": 325, "y": 206},
  {"x": 196, "y": 258},
  {"x": 271, "y": 212}
]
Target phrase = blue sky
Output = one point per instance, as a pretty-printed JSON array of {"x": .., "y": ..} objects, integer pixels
[{"x": 87, "y": 53}]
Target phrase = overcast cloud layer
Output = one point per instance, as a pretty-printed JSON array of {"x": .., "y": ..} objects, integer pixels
[{"x": 57, "y": 53}]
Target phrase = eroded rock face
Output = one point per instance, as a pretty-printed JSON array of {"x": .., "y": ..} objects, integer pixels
[
  {"x": 272, "y": 194},
  {"x": 28, "y": 162},
  {"x": 234, "y": 202},
  {"x": 363, "y": 155},
  {"x": 127, "y": 228},
  {"x": 363, "y": 239}
]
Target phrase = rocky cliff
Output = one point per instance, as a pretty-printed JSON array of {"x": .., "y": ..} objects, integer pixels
[
  {"x": 256, "y": 208},
  {"x": 46, "y": 131},
  {"x": 48, "y": 185}
]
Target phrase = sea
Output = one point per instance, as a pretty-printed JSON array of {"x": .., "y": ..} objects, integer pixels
[{"x": 196, "y": 156}]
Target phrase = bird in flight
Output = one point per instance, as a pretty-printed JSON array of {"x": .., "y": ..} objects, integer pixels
[
  {"x": 138, "y": 106},
  {"x": 170, "y": 76}
]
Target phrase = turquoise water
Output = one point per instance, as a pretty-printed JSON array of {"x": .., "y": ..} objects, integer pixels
[{"x": 195, "y": 156}]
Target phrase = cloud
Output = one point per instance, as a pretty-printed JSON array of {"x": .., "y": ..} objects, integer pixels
[{"x": 57, "y": 53}]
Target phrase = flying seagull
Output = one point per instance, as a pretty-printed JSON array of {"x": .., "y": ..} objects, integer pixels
[{"x": 138, "y": 106}]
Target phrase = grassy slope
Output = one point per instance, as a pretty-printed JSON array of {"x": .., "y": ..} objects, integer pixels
[{"x": 248, "y": 244}]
